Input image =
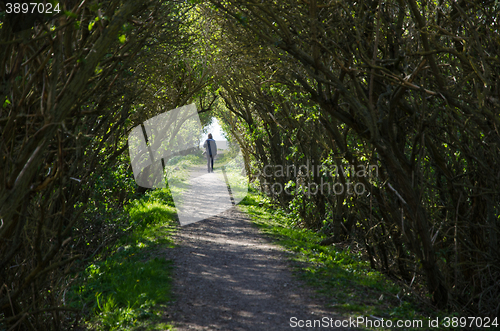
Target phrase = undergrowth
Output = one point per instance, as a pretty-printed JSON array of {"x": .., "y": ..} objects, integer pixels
[
  {"x": 341, "y": 272},
  {"x": 130, "y": 288}
]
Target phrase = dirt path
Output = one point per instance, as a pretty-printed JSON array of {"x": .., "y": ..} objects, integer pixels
[{"x": 229, "y": 276}]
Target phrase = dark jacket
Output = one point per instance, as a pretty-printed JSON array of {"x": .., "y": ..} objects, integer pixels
[{"x": 210, "y": 147}]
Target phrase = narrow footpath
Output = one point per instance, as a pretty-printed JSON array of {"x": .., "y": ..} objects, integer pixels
[{"x": 229, "y": 276}]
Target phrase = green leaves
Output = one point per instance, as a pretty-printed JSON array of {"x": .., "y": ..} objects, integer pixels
[
  {"x": 68, "y": 13},
  {"x": 6, "y": 102},
  {"x": 242, "y": 18},
  {"x": 92, "y": 23}
]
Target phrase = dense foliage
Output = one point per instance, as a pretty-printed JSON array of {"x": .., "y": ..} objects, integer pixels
[
  {"x": 74, "y": 84},
  {"x": 407, "y": 89}
]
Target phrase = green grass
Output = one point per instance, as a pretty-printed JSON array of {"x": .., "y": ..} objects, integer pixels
[
  {"x": 177, "y": 168},
  {"x": 340, "y": 273},
  {"x": 130, "y": 289}
]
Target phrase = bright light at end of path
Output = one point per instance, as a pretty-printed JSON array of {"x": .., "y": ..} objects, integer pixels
[{"x": 162, "y": 143}]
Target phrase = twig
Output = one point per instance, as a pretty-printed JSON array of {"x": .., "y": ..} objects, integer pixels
[
  {"x": 397, "y": 194},
  {"x": 19, "y": 321}
]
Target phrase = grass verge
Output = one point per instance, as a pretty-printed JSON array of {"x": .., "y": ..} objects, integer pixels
[
  {"x": 341, "y": 273},
  {"x": 130, "y": 288}
]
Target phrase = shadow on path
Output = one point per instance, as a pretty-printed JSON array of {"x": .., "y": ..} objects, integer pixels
[{"x": 230, "y": 277}]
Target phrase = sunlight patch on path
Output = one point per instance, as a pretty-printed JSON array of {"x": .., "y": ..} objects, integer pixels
[{"x": 205, "y": 196}]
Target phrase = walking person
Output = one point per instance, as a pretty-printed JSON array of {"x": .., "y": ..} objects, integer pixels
[{"x": 211, "y": 151}]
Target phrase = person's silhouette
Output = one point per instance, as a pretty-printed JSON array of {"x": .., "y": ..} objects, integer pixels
[{"x": 211, "y": 151}]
